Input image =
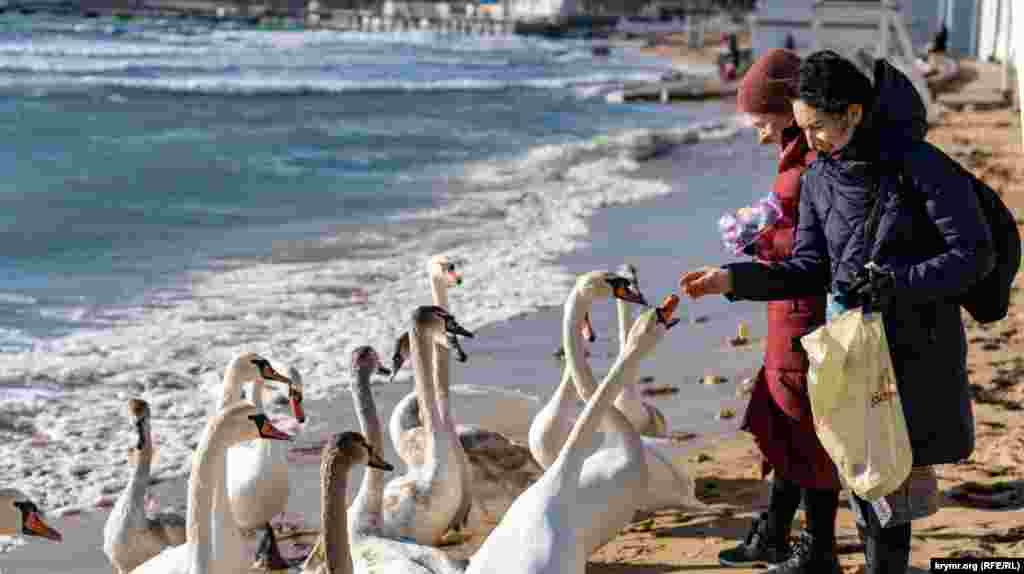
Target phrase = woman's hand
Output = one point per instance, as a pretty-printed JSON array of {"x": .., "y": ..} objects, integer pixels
[{"x": 706, "y": 281}]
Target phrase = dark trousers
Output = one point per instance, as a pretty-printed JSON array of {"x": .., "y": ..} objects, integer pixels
[
  {"x": 820, "y": 505},
  {"x": 886, "y": 549}
]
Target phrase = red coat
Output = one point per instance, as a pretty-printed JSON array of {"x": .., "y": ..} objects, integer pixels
[{"x": 779, "y": 413}]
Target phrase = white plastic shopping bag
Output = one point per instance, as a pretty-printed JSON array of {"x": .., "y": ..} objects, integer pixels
[{"x": 857, "y": 411}]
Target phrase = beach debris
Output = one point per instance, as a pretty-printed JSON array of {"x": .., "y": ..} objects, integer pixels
[
  {"x": 742, "y": 335},
  {"x": 713, "y": 380},
  {"x": 682, "y": 436},
  {"x": 745, "y": 388},
  {"x": 702, "y": 457},
  {"x": 660, "y": 390},
  {"x": 701, "y": 319},
  {"x": 1000, "y": 494},
  {"x": 726, "y": 414},
  {"x": 646, "y": 379}
]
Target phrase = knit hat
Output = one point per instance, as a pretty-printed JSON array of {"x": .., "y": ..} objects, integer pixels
[{"x": 769, "y": 84}]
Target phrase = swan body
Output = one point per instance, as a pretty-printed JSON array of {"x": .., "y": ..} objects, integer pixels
[
  {"x": 208, "y": 511},
  {"x": 493, "y": 469},
  {"x": 544, "y": 532},
  {"x": 344, "y": 550},
  {"x": 257, "y": 471},
  {"x": 19, "y": 516},
  {"x": 671, "y": 482},
  {"x": 130, "y": 537},
  {"x": 423, "y": 504}
]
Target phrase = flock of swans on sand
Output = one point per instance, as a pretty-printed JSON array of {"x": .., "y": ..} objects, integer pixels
[{"x": 547, "y": 507}]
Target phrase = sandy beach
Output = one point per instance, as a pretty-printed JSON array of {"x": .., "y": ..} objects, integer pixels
[{"x": 981, "y": 512}]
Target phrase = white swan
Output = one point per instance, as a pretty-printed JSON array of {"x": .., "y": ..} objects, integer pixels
[
  {"x": 405, "y": 416},
  {"x": 257, "y": 476},
  {"x": 339, "y": 552},
  {"x": 647, "y": 419},
  {"x": 19, "y": 516},
  {"x": 422, "y": 504},
  {"x": 130, "y": 537},
  {"x": 545, "y": 531},
  {"x": 670, "y": 482},
  {"x": 199, "y": 554}
]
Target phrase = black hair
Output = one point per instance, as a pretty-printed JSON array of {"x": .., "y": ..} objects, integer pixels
[{"x": 830, "y": 83}]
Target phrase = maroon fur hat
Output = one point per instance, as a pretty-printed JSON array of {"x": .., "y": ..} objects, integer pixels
[{"x": 769, "y": 84}]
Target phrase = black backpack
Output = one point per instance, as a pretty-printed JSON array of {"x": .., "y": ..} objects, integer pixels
[{"x": 988, "y": 300}]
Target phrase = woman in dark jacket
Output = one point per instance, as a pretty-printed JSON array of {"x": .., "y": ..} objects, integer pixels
[
  {"x": 931, "y": 243},
  {"x": 779, "y": 414}
]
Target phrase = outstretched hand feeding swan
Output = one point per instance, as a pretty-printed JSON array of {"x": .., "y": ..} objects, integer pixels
[
  {"x": 130, "y": 537},
  {"x": 199, "y": 554},
  {"x": 257, "y": 475},
  {"x": 340, "y": 552},
  {"x": 19, "y": 516},
  {"x": 544, "y": 532}
]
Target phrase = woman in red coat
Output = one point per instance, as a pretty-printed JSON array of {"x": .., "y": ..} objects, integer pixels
[{"x": 779, "y": 413}]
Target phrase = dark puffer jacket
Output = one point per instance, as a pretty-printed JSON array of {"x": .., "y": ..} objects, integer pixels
[{"x": 932, "y": 235}]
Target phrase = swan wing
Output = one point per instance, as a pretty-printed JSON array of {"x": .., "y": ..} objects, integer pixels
[{"x": 174, "y": 560}]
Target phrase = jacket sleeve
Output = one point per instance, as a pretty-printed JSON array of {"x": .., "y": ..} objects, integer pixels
[
  {"x": 805, "y": 273},
  {"x": 953, "y": 206}
]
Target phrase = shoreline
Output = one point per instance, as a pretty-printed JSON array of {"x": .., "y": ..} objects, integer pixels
[{"x": 521, "y": 349}]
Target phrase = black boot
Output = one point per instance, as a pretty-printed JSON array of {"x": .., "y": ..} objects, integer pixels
[
  {"x": 808, "y": 557},
  {"x": 767, "y": 543},
  {"x": 886, "y": 550},
  {"x": 816, "y": 551}
]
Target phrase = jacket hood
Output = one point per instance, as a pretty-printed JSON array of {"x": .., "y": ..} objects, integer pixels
[
  {"x": 898, "y": 118},
  {"x": 899, "y": 114}
]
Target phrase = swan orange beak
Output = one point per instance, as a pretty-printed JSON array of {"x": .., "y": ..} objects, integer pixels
[
  {"x": 295, "y": 400},
  {"x": 665, "y": 311},
  {"x": 630, "y": 295},
  {"x": 269, "y": 431},
  {"x": 34, "y": 526},
  {"x": 270, "y": 374},
  {"x": 587, "y": 329}
]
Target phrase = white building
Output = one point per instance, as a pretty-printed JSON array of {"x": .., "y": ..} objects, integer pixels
[{"x": 861, "y": 30}]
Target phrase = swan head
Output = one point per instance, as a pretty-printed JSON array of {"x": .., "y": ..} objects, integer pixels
[
  {"x": 354, "y": 447},
  {"x": 243, "y": 422},
  {"x": 249, "y": 366},
  {"x": 443, "y": 329},
  {"x": 138, "y": 413},
  {"x": 628, "y": 270},
  {"x": 605, "y": 284},
  {"x": 365, "y": 358},
  {"x": 20, "y": 516},
  {"x": 651, "y": 326},
  {"x": 443, "y": 268}
]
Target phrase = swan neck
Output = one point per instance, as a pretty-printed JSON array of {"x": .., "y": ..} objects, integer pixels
[
  {"x": 600, "y": 405},
  {"x": 422, "y": 360},
  {"x": 231, "y": 385},
  {"x": 202, "y": 482},
  {"x": 333, "y": 515},
  {"x": 372, "y": 488},
  {"x": 576, "y": 307},
  {"x": 139, "y": 482},
  {"x": 625, "y": 316},
  {"x": 256, "y": 388}
]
